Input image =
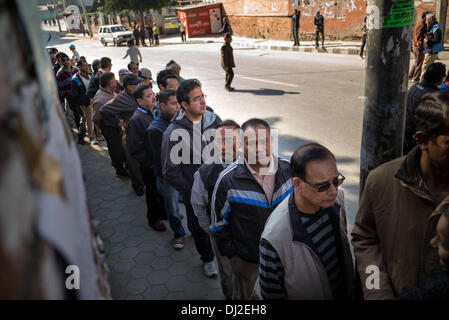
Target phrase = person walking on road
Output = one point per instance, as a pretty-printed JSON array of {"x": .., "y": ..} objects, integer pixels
[
  {"x": 433, "y": 42},
  {"x": 419, "y": 32},
  {"x": 319, "y": 28},
  {"x": 309, "y": 224},
  {"x": 133, "y": 52},
  {"x": 182, "y": 31},
  {"x": 295, "y": 26},
  {"x": 75, "y": 54},
  {"x": 227, "y": 61},
  {"x": 193, "y": 120}
]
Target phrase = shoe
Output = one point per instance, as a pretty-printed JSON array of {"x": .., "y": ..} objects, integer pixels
[
  {"x": 210, "y": 269},
  {"x": 93, "y": 141},
  {"x": 100, "y": 139},
  {"x": 158, "y": 226},
  {"x": 178, "y": 243},
  {"x": 139, "y": 191},
  {"x": 82, "y": 142},
  {"x": 230, "y": 89},
  {"x": 122, "y": 175}
]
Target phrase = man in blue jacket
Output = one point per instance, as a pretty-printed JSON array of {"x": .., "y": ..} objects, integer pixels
[
  {"x": 433, "y": 42},
  {"x": 80, "y": 101}
]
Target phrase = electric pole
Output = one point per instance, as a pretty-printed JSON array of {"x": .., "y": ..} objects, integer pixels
[{"x": 388, "y": 57}]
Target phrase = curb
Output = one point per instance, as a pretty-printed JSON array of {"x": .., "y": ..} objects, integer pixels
[{"x": 347, "y": 51}]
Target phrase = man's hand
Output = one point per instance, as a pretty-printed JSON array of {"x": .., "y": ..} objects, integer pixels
[{"x": 225, "y": 69}]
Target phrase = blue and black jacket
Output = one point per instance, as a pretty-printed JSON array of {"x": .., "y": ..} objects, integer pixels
[{"x": 240, "y": 208}]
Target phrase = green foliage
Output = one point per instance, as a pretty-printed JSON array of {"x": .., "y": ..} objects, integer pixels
[{"x": 113, "y": 6}]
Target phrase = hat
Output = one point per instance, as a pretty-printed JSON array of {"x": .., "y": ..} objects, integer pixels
[
  {"x": 123, "y": 72},
  {"x": 317, "y": 12},
  {"x": 131, "y": 79},
  {"x": 145, "y": 73},
  {"x": 72, "y": 46},
  {"x": 174, "y": 67}
]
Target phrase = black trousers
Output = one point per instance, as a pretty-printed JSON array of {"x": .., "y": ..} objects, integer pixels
[
  {"x": 183, "y": 36},
  {"x": 142, "y": 39},
  {"x": 317, "y": 35},
  {"x": 229, "y": 77},
  {"x": 113, "y": 136},
  {"x": 295, "y": 35},
  {"x": 362, "y": 47},
  {"x": 155, "y": 206}
]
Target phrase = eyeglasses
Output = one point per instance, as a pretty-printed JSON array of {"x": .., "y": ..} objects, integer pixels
[
  {"x": 199, "y": 98},
  {"x": 65, "y": 59},
  {"x": 338, "y": 181}
]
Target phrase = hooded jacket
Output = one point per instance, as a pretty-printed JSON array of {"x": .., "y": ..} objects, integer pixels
[
  {"x": 188, "y": 148},
  {"x": 395, "y": 222},
  {"x": 122, "y": 107}
]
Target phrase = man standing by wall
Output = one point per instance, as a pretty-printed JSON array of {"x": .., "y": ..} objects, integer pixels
[
  {"x": 295, "y": 26},
  {"x": 319, "y": 29},
  {"x": 227, "y": 61}
]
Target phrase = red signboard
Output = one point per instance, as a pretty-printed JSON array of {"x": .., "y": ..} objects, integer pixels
[{"x": 197, "y": 20}]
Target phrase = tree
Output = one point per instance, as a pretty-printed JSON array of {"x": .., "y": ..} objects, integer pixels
[{"x": 114, "y": 6}]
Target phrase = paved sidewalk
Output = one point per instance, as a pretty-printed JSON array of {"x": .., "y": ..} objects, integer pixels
[{"x": 142, "y": 263}]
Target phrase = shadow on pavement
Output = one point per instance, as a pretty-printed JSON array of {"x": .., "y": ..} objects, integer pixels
[{"x": 266, "y": 92}]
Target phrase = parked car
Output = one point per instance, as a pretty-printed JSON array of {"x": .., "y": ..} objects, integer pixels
[{"x": 115, "y": 34}]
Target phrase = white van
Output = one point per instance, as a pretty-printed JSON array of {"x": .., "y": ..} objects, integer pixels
[{"x": 115, "y": 34}]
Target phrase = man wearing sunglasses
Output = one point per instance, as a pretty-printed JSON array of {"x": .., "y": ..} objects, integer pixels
[{"x": 304, "y": 249}]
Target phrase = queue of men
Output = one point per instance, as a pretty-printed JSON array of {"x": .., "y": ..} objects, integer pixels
[{"x": 275, "y": 227}]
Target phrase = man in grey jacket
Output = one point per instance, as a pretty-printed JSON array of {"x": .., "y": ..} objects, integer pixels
[{"x": 182, "y": 154}]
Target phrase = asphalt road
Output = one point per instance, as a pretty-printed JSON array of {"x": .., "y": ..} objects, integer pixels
[{"x": 305, "y": 96}]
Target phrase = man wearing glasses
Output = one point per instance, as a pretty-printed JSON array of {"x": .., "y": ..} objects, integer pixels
[
  {"x": 304, "y": 249},
  {"x": 182, "y": 155}
]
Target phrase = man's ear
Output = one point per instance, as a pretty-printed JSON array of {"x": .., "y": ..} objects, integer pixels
[
  {"x": 421, "y": 139},
  {"x": 184, "y": 105},
  {"x": 296, "y": 183}
]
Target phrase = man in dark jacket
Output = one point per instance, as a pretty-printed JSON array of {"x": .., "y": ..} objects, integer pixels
[
  {"x": 80, "y": 100},
  {"x": 433, "y": 42},
  {"x": 136, "y": 34},
  {"x": 419, "y": 32},
  {"x": 139, "y": 148},
  {"x": 295, "y": 26},
  {"x": 227, "y": 61},
  {"x": 244, "y": 196},
  {"x": 436, "y": 286},
  {"x": 94, "y": 84},
  {"x": 115, "y": 116},
  {"x": 226, "y": 27},
  {"x": 319, "y": 28},
  {"x": 192, "y": 122},
  {"x": 227, "y": 144},
  {"x": 432, "y": 79},
  {"x": 168, "y": 108},
  {"x": 400, "y": 207}
]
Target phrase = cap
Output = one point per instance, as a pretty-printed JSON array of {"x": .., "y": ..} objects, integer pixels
[
  {"x": 145, "y": 73},
  {"x": 131, "y": 79},
  {"x": 174, "y": 67},
  {"x": 317, "y": 12},
  {"x": 123, "y": 72},
  {"x": 72, "y": 46}
]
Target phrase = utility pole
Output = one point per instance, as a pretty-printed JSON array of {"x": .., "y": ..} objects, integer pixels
[
  {"x": 388, "y": 57},
  {"x": 441, "y": 14},
  {"x": 57, "y": 17},
  {"x": 86, "y": 18}
]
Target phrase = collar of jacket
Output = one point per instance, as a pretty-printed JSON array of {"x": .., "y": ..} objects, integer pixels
[
  {"x": 106, "y": 91},
  {"x": 242, "y": 170},
  {"x": 209, "y": 118},
  {"x": 409, "y": 176},
  {"x": 300, "y": 233},
  {"x": 428, "y": 84}
]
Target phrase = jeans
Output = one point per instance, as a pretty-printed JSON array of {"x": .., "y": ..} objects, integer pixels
[
  {"x": 229, "y": 77},
  {"x": 319, "y": 32},
  {"x": 170, "y": 197},
  {"x": 201, "y": 237},
  {"x": 295, "y": 35}
]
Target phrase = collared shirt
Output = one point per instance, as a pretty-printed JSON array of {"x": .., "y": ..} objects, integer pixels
[
  {"x": 85, "y": 80},
  {"x": 266, "y": 181}
]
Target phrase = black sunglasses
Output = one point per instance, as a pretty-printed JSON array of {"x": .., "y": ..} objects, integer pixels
[{"x": 325, "y": 186}]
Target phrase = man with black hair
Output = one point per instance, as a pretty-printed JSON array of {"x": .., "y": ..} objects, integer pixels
[
  {"x": 400, "y": 207},
  {"x": 319, "y": 28},
  {"x": 169, "y": 107},
  {"x": 140, "y": 149},
  {"x": 227, "y": 61},
  {"x": 133, "y": 67},
  {"x": 296, "y": 16},
  {"x": 309, "y": 224},
  {"x": 244, "y": 196},
  {"x": 226, "y": 143},
  {"x": 105, "y": 94},
  {"x": 433, "y": 42},
  {"x": 432, "y": 79},
  {"x": 64, "y": 82},
  {"x": 81, "y": 102},
  {"x": 94, "y": 84},
  {"x": 134, "y": 53},
  {"x": 178, "y": 167}
]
